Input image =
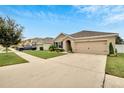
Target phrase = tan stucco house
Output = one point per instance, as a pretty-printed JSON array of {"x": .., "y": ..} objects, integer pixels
[
  {"x": 39, "y": 43},
  {"x": 86, "y": 42}
]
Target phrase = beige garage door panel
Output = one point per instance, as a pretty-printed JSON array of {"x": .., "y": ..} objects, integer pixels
[{"x": 97, "y": 47}]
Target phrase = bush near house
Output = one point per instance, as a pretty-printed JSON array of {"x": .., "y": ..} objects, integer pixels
[
  {"x": 59, "y": 50},
  {"x": 111, "y": 49},
  {"x": 53, "y": 48}
]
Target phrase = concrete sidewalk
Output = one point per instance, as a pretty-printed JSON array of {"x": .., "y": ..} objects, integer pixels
[
  {"x": 28, "y": 57},
  {"x": 113, "y": 82}
]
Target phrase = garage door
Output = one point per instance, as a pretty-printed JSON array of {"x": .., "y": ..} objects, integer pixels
[{"x": 95, "y": 47}]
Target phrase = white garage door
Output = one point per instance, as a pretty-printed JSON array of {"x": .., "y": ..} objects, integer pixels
[{"x": 94, "y": 47}]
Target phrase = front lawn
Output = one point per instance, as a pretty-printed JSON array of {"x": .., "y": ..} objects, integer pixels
[
  {"x": 43, "y": 54},
  {"x": 115, "y": 65},
  {"x": 10, "y": 59}
]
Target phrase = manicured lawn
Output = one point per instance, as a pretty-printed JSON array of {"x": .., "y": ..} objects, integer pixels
[
  {"x": 115, "y": 65},
  {"x": 10, "y": 59},
  {"x": 43, "y": 54}
]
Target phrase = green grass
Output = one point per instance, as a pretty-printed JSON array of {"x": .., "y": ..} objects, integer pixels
[
  {"x": 115, "y": 65},
  {"x": 43, "y": 54},
  {"x": 10, "y": 59}
]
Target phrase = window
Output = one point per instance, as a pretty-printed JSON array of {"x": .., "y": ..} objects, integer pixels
[
  {"x": 61, "y": 44},
  {"x": 58, "y": 44}
]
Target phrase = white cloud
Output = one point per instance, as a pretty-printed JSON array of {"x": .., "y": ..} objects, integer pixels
[
  {"x": 37, "y": 14},
  {"x": 107, "y": 14},
  {"x": 114, "y": 18},
  {"x": 89, "y": 9}
]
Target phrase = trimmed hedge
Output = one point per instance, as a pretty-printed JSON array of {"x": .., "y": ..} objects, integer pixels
[
  {"x": 111, "y": 49},
  {"x": 59, "y": 50},
  {"x": 53, "y": 48}
]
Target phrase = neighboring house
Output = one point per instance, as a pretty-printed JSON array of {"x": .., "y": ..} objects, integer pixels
[
  {"x": 43, "y": 44},
  {"x": 39, "y": 43},
  {"x": 86, "y": 42}
]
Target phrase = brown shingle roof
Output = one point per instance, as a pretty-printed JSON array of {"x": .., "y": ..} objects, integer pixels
[
  {"x": 85, "y": 33},
  {"x": 48, "y": 40}
]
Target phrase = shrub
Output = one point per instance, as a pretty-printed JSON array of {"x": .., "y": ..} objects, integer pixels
[
  {"x": 111, "y": 49},
  {"x": 59, "y": 50},
  {"x": 52, "y": 48}
]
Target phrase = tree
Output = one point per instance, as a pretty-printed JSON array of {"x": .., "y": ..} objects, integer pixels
[
  {"x": 10, "y": 32},
  {"x": 119, "y": 40},
  {"x": 111, "y": 49}
]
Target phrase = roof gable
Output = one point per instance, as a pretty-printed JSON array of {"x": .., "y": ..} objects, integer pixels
[
  {"x": 85, "y": 33},
  {"x": 59, "y": 36}
]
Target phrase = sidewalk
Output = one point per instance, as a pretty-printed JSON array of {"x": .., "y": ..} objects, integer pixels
[
  {"x": 113, "y": 82},
  {"x": 28, "y": 57}
]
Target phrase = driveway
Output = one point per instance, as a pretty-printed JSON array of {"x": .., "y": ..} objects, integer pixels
[{"x": 67, "y": 71}]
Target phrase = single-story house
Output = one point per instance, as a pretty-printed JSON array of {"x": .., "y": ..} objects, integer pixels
[
  {"x": 44, "y": 43},
  {"x": 86, "y": 42},
  {"x": 38, "y": 43}
]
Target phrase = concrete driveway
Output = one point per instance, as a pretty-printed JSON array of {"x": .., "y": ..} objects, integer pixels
[{"x": 68, "y": 71}]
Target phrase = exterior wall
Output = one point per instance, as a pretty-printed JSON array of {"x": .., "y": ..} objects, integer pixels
[
  {"x": 72, "y": 44},
  {"x": 38, "y": 46},
  {"x": 111, "y": 39},
  {"x": 60, "y": 38},
  {"x": 46, "y": 46},
  {"x": 97, "y": 43},
  {"x": 120, "y": 48}
]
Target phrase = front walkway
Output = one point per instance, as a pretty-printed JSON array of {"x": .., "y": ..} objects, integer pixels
[
  {"x": 114, "y": 82},
  {"x": 28, "y": 57},
  {"x": 67, "y": 71}
]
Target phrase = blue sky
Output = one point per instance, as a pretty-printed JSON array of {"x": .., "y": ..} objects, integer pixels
[{"x": 49, "y": 21}]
